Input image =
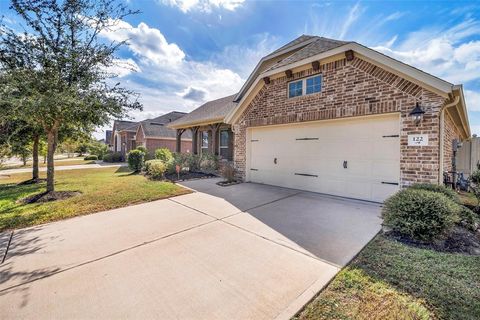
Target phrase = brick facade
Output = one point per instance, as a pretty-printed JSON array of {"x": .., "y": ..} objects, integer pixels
[
  {"x": 450, "y": 133},
  {"x": 349, "y": 89},
  {"x": 154, "y": 144}
]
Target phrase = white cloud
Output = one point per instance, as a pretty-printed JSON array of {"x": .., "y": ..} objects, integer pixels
[
  {"x": 167, "y": 79},
  {"x": 146, "y": 42},
  {"x": 354, "y": 13},
  {"x": 204, "y": 5},
  {"x": 440, "y": 52},
  {"x": 472, "y": 99}
]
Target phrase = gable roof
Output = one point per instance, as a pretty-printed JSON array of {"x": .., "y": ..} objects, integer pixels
[
  {"x": 303, "y": 38},
  {"x": 209, "y": 112},
  {"x": 158, "y": 127},
  {"x": 119, "y": 125},
  {"x": 318, "y": 45}
]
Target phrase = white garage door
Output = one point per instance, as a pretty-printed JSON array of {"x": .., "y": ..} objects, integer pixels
[{"x": 356, "y": 158}]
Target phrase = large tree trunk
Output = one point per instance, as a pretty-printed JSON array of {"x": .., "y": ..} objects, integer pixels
[
  {"x": 35, "y": 157},
  {"x": 51, "y": 146}
]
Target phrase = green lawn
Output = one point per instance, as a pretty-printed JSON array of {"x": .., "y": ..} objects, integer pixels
[
  {"x": 58, "y": 163},
  {"x": 390, "y": 280},
  {"x": 102, "y": 189}
]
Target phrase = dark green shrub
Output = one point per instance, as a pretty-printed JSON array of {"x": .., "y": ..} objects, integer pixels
[
  {"x": 155, "y": 169},
  {"x": 448, "y": 192},
  {"x": 468, "y": 218},
  {"x": 136, "y": 159},
  {"x": 91, "y": 157},
  {"x": 113, "y": 157},
  {"x": 164, "y": 154},
  {"x": 420, "y": 214}
]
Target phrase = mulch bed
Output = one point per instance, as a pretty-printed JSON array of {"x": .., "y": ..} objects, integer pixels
[
  {"x": 49, "y": 196},
  {"x": 184, "y": 176},
  {"x": 459, "y": 240},
  {"x": 227, "y": 183}
]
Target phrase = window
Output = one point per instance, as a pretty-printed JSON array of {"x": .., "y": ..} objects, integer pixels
[
  {"x": 314, "y": 84},
  {"x": 225, "y": 144},
  {"x": 204, "y": 139},
  {"x": 311, "y": 85},
  {"x": 295, "y": 89}
]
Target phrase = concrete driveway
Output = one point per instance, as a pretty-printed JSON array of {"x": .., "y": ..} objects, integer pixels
[{"x": 247, "y": 251}]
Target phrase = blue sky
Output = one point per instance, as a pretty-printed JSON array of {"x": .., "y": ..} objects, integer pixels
[{"x": 186, "y": 52}]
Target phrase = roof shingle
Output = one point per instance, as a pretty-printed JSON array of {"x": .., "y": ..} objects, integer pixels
[{"x": 210, "y": 111}]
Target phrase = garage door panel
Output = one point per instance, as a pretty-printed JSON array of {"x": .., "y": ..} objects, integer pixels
[{"x": 320, "y": 149}]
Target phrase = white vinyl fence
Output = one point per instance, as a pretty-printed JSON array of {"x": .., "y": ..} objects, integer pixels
[{"x": 468, "y": 155}]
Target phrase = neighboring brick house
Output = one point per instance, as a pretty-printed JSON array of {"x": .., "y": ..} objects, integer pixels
[
  {"x": 338, "y": 118},
  {"x": 123, "y": 136},
  {"x": 154, "y": 134},
  {"x": 150, "y": 133}
]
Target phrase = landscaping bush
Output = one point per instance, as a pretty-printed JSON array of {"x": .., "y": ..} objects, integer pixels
[
  {"x": 164, "y": 154},
  {"x": 420, "y": 214},
  {"x": 468, "y": 219},
  {"x": 91, "y": 157},
  {"x": 208, "y": 162},
  {"x": 155, "y": 169},
  {"x": 136, "y": 158},
  {"x": 448, "y": 192},
  {"x": 143, "y": 149},
  {"x": 113, "y": 157},
  {"x": 228, "y": 172},
  {"x": 186, "y": 161}
]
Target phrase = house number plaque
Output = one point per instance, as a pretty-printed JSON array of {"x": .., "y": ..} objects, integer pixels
[{"x": 418, "y": 140}]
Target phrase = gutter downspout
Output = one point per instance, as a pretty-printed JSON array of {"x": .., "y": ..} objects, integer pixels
[{"x": 442, "y": 137}]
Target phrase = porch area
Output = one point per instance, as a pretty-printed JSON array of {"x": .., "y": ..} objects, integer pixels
[{"x": 216, "y": 138}]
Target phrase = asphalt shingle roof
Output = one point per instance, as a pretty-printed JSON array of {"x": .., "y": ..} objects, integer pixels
[
  {"x": 320, "y": 45},
  {"x": 212, "y": 110},
  {"x": 122, "y": 125},
  {"x": 293, "y": 43},
  {"x": 157, "y": 127}
]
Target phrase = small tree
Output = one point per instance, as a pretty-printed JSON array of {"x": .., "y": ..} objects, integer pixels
[{"x": 59, "y": 67}]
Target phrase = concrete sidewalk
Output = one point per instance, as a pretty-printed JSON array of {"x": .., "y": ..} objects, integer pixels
[{"x": 197, "y": 256}]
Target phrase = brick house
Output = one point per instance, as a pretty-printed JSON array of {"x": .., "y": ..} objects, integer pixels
[
  {"x": 150, "y": 133},
  {"x": 335, "y": 117}
]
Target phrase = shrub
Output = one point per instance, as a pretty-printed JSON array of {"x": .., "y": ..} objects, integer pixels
[
  {"x": 208, "y": 162},
  {"x": 228, "y": 172},
  {"x": 420, "y": 214},
  {"x": 155, "y": 169},
  {"x": 448, "y": 192},
  {"x": 468, "y": 218},
  {"x": 143, "y": 149},
  {"x": 186, "y": 161},
  {"x": 136, "y": 159},
  {"x": 91, "y": 157},
  {"x": 113, "y": 157},
  {"x": 164, "y": 154}
]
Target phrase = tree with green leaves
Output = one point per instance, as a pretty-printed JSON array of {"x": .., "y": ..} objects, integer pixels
[
  {"x": 60, "y": 65},
  {"x": 18, "y": 137}
]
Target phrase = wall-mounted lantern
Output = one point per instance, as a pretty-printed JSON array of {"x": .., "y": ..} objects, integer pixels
[{"x": 417, "y": 114}]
